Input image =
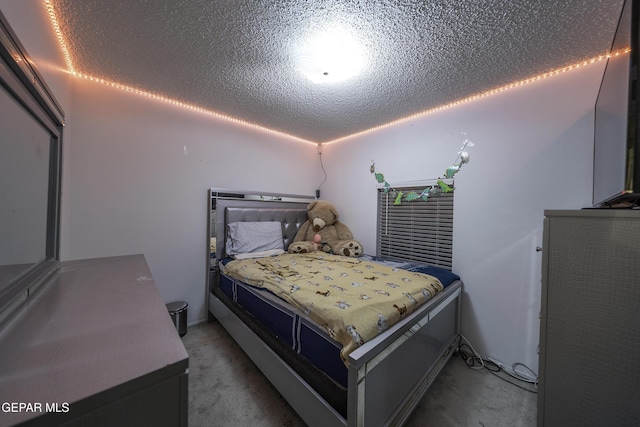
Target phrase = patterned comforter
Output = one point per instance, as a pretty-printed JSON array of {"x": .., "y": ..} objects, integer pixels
[{"x": 352, "y": 298}]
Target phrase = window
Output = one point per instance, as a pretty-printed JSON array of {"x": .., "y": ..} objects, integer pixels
[{"x": 416, "y": 230}]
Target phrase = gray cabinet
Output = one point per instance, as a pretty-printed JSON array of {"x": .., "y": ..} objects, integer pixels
[
  {"x": 590, "y": 319},
  {"x": 95, "y": 347}
]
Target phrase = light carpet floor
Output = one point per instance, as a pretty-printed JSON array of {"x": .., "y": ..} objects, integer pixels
[{"x": 227, "y": 389}]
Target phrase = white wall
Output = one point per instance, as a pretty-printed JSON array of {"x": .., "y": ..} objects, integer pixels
[
  {"x": 533, "y": 151},
  {"x": 140, "y": 171}
]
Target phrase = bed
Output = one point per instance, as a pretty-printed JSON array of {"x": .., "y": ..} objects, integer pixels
[{"x": 380, "y": 380}]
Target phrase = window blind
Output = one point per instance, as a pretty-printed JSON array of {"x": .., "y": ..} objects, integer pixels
[{"x": 416, "y": 230}]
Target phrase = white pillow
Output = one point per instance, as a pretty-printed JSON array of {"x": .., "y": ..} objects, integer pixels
[
  {"x": 260, "y": 254},
  {"x": 249, "y": 237}
]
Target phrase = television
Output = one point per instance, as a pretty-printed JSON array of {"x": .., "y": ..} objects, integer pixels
[
  {"x": 31, "y": 123},
  {"x": 616, "y": 167}
]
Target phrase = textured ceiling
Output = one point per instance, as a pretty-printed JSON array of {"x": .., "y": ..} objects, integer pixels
[{"x": 236, "y": 57}]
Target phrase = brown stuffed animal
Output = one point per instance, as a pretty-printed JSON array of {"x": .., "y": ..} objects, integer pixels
[{"x": 335, "y": 237}]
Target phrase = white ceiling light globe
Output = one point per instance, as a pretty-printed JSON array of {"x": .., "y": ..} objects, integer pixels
[{"x": 329, "y": 57}]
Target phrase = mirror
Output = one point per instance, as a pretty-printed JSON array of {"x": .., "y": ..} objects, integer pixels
[
  {"x": 30, "y": 158},
  {"x": 24, "y": 190}
]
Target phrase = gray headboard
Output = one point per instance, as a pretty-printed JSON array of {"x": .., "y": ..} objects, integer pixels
[
  {"x": 291, "y": 219},
  {"x": 291, "y": 215}
]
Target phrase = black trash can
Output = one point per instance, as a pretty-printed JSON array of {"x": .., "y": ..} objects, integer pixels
[{"x": 178, "y": 312}]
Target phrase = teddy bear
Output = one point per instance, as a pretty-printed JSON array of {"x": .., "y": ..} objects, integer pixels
[{"x": 322, "y": 231}]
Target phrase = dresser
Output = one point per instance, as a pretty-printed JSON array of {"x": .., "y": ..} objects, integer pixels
[
  {"x": 94, "y": 347},
  {"x": 590, "y": 319}
]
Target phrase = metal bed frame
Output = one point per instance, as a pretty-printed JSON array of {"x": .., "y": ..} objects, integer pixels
[{"x": 387, "y": 376}]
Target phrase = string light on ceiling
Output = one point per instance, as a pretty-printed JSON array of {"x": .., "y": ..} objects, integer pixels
[
  {"x": 495, "y": 91},
  {"x": 332, "y": 56},
  {"x": 56, "y": 28}
]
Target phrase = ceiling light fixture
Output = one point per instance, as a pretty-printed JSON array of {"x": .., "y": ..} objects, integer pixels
[{"x": 330, "y": 56}]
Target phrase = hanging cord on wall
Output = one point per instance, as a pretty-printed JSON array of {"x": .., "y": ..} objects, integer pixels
[
  {"x": 474, "y": 360},
  {"x": 323, "y": 171}
]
